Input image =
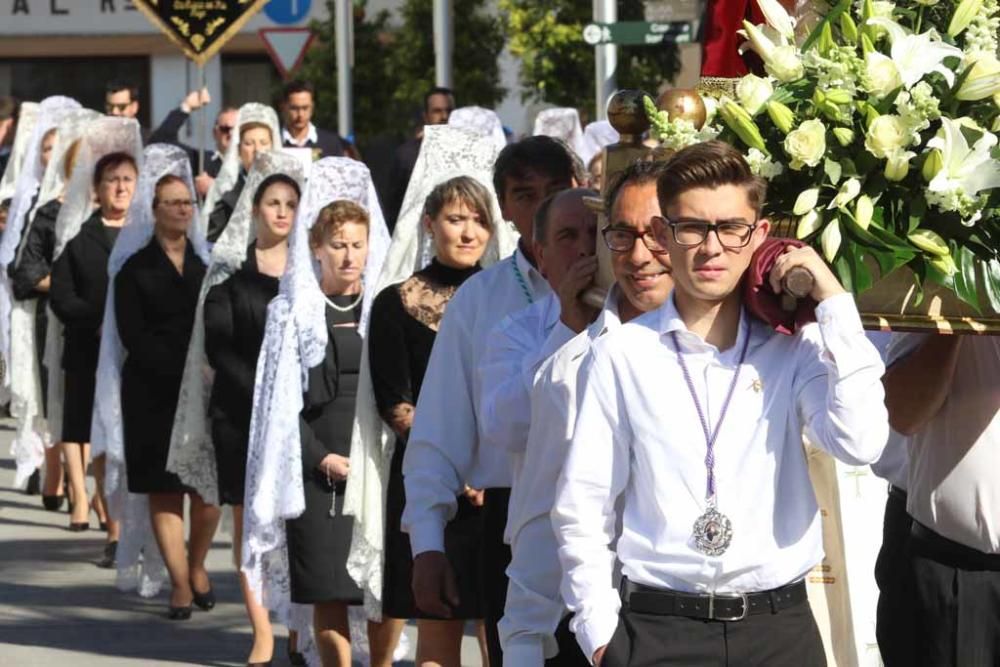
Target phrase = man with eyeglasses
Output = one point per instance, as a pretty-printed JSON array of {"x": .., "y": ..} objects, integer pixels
[
  {"x": 121, "y": 99},
  {"x": 222, "y": 132},
  {"x": 689, "y": 433},
  {"x": 531, "y": 411}
]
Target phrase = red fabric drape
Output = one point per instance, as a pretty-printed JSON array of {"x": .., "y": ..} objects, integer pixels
[{"x": 719, "y": 46}]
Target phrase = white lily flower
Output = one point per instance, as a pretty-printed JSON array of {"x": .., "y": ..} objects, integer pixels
[
  {"x": 782, "y": 58},
  {"x": 983, "y": 80},
  {"x": 848, "y": 191},
  {"x": 967, "y": 170},
  {"x": 917, "y": 55},
  {"x": 777, "y": 18}
]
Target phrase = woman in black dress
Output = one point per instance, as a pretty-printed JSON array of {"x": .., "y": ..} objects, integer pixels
[
  {"x": 318, "y": 543},
  {"x": 404, "y": 323},
  {"x": 235, "y": 315},
  {"x": 77, "y": 293},
  {"x": 156, "y": 293}
]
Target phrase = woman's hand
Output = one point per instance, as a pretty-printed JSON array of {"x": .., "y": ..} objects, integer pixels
[{"x": 335, "y": 467}]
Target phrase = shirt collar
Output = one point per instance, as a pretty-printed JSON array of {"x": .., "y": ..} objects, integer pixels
[
  {"x": 311, "y": 136},
  {"x": 532, "y": 275},
  {"x": 671, "y": 321}
]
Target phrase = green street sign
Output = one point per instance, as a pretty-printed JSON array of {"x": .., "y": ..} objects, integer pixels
[{"x": 638, "y": 33}]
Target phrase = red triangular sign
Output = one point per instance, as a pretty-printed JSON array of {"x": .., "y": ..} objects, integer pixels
[{"x": 287, "y": 46}]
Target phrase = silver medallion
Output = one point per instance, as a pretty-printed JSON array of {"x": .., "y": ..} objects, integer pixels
[{"x": 713, "y": 531}]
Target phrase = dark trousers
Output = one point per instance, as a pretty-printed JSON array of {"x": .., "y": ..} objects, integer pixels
[
  {"x": 957, "y": 602},
  {"x": 787, "y": 638},
  {"x": 496, "y": 558},
  {"x": 895, "y": 620},
  {"x": 570, "y": 654}
]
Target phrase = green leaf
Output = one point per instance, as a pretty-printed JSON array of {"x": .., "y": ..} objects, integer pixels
[
  {"x": 861, "y": 275},
  {"x": 965, "y": 279},
  {"x": 832, "y": 15},
  {"x": 991, "y": 278},
  {"x": 918, "y": 209},
  {"x": 864, "y": 236},
  {"x": 843, "y": 268},
  {"x": 833, "y": 170}
]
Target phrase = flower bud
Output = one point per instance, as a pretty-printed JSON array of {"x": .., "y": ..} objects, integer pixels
[
  {"x": 933, "y": 163},
  {"x": 830, "y": 110},
  {"x": 738, "y": 120},
  {"x": 848, "y": 28},
  {"x": 897, "y": 166},
  {"x": 848, "y": 191},
  {"x": 983, "y": 80},
  {"x": 806, "y": 201},
  {"x": 809, "y": 224},
  {"x": 864, "y": 210},
  {"x": 838, "y": 96},
  {"x": 844, "y": 135},
  {"x": 945, "y": 264},
  {"x": 830, "y": 240},
  {"x": 866, "y": 44},
  {"x": 964, "y": 13},
  {"x": 781, "y": 116}
]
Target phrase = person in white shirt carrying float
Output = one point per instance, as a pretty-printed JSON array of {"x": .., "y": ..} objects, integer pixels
[
  {"x": 691, "y": 423},
  {"x": 545, "y": 347},
  {"x": 443, "y": 453}
]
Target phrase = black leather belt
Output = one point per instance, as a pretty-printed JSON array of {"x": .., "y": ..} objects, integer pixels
[
  {"x": 718, "y": 607},
  {"x": 925, "y": 542}
]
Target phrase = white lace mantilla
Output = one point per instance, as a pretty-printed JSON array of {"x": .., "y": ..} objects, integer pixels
[
  {"x": 562, "y": 123},
  {"x": 192, "y": 455},
  {"x": 484, "y": 122},
  {"x": 446, "y": 152}
]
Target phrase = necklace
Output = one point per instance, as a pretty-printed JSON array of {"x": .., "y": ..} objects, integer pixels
[
  {"x": 348, "y": 308},
  {"x": 713, "y": 531},
  {"x": 520, "y": 279}
]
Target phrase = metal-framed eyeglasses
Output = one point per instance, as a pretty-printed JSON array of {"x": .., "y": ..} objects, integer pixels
[
  {"x": 622, "y": 239},
  {"x": 691, "y": 232}
]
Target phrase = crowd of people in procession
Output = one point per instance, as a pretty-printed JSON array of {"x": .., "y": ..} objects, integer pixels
[{"x": 411, "y": 402}]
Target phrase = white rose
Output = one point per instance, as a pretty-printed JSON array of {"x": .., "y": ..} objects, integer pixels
[
  {"x": 886, "y": 136},
  {"x": 784, "y": 64},
  {"x": 806, "y": 144},
  {"x": 881, "y": 74},
  {"x": 753, "y": 92}
]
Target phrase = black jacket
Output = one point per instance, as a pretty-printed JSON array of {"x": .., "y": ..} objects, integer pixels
[
  {"x": 79, "y": 288},
  {"x": 36, "y": 256},
  {"x": 168, "y": 133},
  {"x": 235, "y": 315},
  {"x": 399, "y": 178},
  {"x": 327, "y": 144}
]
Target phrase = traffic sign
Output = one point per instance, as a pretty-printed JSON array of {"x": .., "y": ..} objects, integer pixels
[
  {"x": 287, "y": 12},
  {"x": 287, "y": 46},
  {"x": 638, "y": 33}
]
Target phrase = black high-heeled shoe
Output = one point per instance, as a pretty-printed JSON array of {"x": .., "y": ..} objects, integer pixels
[
  {"x": 53, "y": 503},
  {"x": 34, "y": 486},
  {"x": 296, "y": 658},
  {"x": 79, "y": 527},
  {"x": 204, "y": 601},
  {"x": 179, "y": 613},
  {"x": 107, "y": 561}
]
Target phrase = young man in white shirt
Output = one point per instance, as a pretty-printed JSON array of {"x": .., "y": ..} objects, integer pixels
[
  {"x": 443, "y": 456},
  {"x": 943, "y": 392},
  {"x": 692, "y": 420},
  {"x": 535, "y": 626}
]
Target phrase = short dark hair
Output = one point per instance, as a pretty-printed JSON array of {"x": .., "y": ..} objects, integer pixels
[
  {"x": 297, "y": 86},
  {"x": 540, "y": 222},
  {"x": 9, "y": 107},
  {"x": 711, "y": 164},
  {"x": 640, "y": 172},
  {"x": 437, "y": 90},
  {"x": 112, "y": 161},
  {"x": 271, "y": 180},
  {"x": 538, "y": 153},
  {"x": 118, "y": 85},
  {"x": 165, "y": 180}
]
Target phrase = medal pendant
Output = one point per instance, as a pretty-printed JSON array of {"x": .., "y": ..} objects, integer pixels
[{"x": 713, "y": 531}]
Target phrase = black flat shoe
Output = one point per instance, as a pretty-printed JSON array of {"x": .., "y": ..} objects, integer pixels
[
  {"x": 34, "y": 484},
  {"x": 259, "y": 664},
  {"x": 79, "y": 527},
  {"x": 53, "y": 503},
  {"x": 204, "y": 601},
  {"x": 103, "y": 526},
  {"x": 179, "y": 613},
  {"x": 296, "y": 658},
  {"x": 107, "y": 562}
]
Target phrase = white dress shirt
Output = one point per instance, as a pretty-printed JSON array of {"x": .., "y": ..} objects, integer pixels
[
  {"x": 289, "y": 140},
  {"x": 955, "y": 457},
  {"x": 515, "y": 350},
  {"x": 534, "y": 604},
  {"x": 893, "y": 466},
  {"x": 638, "y": 434},
  {"x": 443, "y": 452}
]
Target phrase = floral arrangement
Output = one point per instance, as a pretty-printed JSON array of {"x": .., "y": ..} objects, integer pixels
[{"x": 878, "y": 135}]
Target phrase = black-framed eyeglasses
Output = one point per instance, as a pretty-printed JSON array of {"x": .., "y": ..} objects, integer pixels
[
  {"x": 622, "y": 239},
  {"x": 689, "y": 232}
]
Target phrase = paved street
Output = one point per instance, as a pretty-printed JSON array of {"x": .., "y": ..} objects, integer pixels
[{"x": 58, "y": 608}]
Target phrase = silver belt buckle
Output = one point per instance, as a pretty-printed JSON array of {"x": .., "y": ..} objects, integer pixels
[{"x": 728, "y": 596}]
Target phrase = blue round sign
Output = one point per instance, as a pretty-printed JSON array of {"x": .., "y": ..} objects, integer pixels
[{"x": 286, "y": 12}]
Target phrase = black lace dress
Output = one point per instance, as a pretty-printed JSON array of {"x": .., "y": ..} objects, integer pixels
[
  {"x": 318, "y": 542},
  {"x": 404, "y": 324}
]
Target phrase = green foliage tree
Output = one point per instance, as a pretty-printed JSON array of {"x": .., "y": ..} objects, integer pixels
[
  {"x": 394, "y": 64},
  {"x": 557, "y": 66}
]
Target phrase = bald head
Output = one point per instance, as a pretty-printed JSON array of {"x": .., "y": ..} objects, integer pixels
[
  {"x": 565, "y": 231},
  {"x": 563, "y": 205}
]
